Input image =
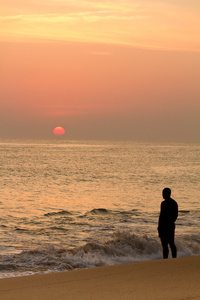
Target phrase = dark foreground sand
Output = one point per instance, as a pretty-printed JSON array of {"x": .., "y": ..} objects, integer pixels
[{"x": 158, "y": 279}]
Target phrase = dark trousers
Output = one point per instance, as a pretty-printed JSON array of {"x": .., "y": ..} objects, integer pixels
[{"x": 168, "y": 239}]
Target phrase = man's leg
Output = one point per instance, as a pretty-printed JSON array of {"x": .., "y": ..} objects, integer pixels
[
  {"x": 172, "y": 245},
  {"x": 165, "y": 247}
]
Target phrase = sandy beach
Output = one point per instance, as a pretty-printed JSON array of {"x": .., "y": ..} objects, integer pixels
[{"x": 158, "y": 279}]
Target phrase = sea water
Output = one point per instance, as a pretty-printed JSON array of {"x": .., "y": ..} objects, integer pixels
[{"x": 68, "y": 205}]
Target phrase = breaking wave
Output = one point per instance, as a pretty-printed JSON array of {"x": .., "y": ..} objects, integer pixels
[{"x": 123, "y": 247}]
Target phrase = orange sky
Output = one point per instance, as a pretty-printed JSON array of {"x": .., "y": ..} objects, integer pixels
[{"x": 100, "y": 69}]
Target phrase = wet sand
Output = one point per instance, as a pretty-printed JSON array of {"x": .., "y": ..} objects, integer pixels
[{"x": 157, "y": 279}]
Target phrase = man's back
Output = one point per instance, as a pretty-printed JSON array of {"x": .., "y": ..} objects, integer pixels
[{"x": 168, "y": 214}]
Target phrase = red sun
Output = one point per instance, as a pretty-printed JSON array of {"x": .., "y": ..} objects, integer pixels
[{"x": 59, "y": 131}]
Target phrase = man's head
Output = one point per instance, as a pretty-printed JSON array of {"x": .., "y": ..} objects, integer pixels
[{"x": 166, "y": 193}]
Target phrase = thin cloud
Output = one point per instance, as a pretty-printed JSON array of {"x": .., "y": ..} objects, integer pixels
[
  {"x": 158, "y": 25},
  {"x": 87, "y": 17},
  {"x": 61, "y": 110},
  {"x": 73, "y": 110}
]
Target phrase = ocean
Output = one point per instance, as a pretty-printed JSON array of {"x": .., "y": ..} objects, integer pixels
[{"x": 67, "y": 205}]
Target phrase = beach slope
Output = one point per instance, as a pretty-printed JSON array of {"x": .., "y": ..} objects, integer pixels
[{"x": 158, "y": 279}]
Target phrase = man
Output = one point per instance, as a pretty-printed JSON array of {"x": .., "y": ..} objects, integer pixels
[{"x": 166, "y": 223}]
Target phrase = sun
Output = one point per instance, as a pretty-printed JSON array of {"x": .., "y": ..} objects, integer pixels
[{"x": 59, "y": 131}]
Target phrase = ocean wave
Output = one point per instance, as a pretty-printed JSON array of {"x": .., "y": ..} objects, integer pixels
[
  {"x": 129, "y": 213},
  {"x": 3, "y": 226},
  {"x": 104, "y": 211},
  {"x": 62, "y": 212},
  {"x": 97, "y": 211},
  {"x": 21, "y": 229},
  {"x": 123, "y": 247},
  {"x": 123, "y": 243},
  {"x": 8, "y": 267},
  {"x": 57, "y": 228}
]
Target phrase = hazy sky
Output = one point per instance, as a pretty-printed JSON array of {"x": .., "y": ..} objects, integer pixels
[{"x": 101, "y": 69}]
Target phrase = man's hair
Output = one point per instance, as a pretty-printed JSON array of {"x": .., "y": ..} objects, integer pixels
[{"x": 166, "y": 193}]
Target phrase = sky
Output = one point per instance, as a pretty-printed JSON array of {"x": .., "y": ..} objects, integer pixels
[{"x": 118, "y": 70}]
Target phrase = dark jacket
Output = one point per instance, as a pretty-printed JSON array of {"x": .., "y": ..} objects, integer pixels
[{"x": 168, "y": 216}]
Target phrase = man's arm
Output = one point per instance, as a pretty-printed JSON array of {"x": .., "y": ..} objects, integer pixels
[
  {"x": 176, "y": 211},
  {"x": 160, "y": 220}
]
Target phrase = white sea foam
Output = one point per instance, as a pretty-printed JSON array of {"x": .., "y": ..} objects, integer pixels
[{"x": 123, "y": 247}]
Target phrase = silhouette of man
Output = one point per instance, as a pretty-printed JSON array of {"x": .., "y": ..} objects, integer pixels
[{"x": 166, "y": 223}]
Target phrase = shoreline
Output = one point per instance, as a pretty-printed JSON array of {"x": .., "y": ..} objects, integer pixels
[{"x": 155, "y": 279}]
